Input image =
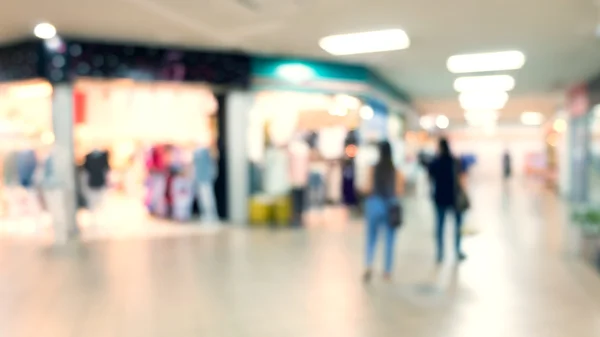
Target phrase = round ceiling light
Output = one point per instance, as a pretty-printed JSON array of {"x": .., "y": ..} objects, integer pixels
[
  {"x": 44, "y": 31},
  {"x": 442, "y": 122}
]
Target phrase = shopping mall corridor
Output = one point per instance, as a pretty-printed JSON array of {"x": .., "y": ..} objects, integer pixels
[{"x": 520, "y": 280}]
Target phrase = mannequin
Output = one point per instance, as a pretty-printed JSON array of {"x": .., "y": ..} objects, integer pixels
[
  {"x": 182, "y": 190},
  {"x": 299, "y": 172},
  {"x": 205, "y": 174},
  {"x": 157, "y": 181},
  {"x": 96, "y": 168}
]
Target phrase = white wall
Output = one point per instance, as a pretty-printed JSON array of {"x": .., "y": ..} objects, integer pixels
[{"x": 489, "y": 148}]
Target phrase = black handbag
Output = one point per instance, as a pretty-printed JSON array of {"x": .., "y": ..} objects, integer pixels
[{"x": 395, "y": 214}]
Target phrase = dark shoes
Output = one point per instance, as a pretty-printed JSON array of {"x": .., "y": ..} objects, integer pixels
[{"x": 460, "y": 256}]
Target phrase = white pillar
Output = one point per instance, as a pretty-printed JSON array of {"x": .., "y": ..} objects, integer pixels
[
  {"x": 238, "y": 108},
  {"x": 65, "y": 225}
]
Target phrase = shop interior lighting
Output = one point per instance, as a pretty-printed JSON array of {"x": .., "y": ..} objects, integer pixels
[
  {"x": 347, "y": 101},
  {"x": 366, "y": 112},
  {"x": 497, "y": 61},
  {"x": 37, "y": 90},
  {"x": 560, "y": 125},
  {"x": 427, "y": 122},
  {"x": 531, "y": 118},
  {"x": 366, "y": 42},
  {"x": 483, "y": 100},
  {"x": 295, "y": 72},
  {"x": 338, "y": 111},
  {"x": 442, "y": 122},
  {"x": 487, "y": 83},
  {"x": 44, "y": 31},
  {"x": 481, "y": 118}
]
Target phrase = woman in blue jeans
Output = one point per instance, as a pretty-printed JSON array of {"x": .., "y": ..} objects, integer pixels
[
  {"x": 447, "y": 176},
  {"x": 383, "y": 187}
]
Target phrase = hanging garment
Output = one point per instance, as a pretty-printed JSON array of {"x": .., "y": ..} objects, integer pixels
[
  {"x": 183, "y": 196},
  {"x": 26, "y": 165},
  {"x": 331, "y": 142},
  {"x": 277, "y": 182},
  {"x": 9, "y": 170},
  {"x": 348, "y": 188},
  {"x": 299, "y": 163},
  {"x": 334, "y": 183},
  {"x": 316, "y": 184},
  {"x": 96, "y": 166},
  {"x": 205, "y": 169},
  {"x": 155, "y": 200},
  {"x": 207, "y": 201}
]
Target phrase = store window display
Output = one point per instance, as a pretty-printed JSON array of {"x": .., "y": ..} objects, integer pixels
[
  {"x": 30, "y": 193},
  {"x": 296, "y": 147},
  {"x": 159, "y": 139}
]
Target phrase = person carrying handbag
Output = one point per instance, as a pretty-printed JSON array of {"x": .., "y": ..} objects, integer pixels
[
  {"x": 383, "y": 210},
  {"x": 449, "y": 180}
]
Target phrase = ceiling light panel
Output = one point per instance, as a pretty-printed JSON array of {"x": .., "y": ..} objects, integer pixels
[
  {"x": 472, "y": 63},
  {"x": 531, "y": 118},
  {"x": 475, "y": 100},
  {"x": 367, "y": 42},
  {"x": 485, "y": 83}
]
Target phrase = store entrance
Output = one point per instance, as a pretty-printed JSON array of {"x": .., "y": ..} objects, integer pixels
[
  {"x": 146, "y": 154},
  {"x": 301, "y": 150}
]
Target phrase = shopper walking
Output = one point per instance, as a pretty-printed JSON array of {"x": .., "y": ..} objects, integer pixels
[
  {"x": 383, "y": 186},
  {"x": 448, "y": 178}
]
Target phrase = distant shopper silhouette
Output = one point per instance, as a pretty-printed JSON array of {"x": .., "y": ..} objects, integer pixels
[
  {"x": 448, "y": 177},
  {"x": 506, "y": 165},
  {"x": 383, "y": 186}
]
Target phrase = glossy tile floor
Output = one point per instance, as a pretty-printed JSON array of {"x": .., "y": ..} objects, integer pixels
[{"x": 521, "y": 280}]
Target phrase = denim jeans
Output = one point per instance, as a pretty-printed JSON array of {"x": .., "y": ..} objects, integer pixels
[
  {"x": 376, "y": 213},
  {"x": 441, "y": 211}
]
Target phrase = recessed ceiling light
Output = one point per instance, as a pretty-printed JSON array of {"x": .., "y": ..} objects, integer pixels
[
  {"x": 475, "y": 100},
  {"x": 442, "y": 122},
  {"x": 471, "y": 63},
  {"x": 531, "y": 118},
  {"x": 486, "y": 83},
  {"x": 44, "y": 31},
  {"x": 367, "y": 42}
]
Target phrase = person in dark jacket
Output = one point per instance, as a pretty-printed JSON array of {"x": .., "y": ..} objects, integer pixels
[{"x": 447, "y": 176}]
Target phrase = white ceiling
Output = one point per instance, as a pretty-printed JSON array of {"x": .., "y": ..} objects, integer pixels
[{"x": 557, "y": 36}]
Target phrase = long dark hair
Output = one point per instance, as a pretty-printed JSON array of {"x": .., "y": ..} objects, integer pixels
[
  {"x": 384, "y": 170},
  {"x": 444, "y": 148}
]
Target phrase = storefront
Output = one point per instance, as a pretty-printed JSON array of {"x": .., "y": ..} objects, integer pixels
[
  {"x": 578, "y": 106},
  {"x": 26, "y": 138},
  {"x": 309, "y": 129},
  {"x": 146, "y": 138},
  {"x": 123, "y": 125}
]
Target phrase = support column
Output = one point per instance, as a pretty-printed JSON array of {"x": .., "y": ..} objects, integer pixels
[
  {"x": 236, "y": 128},
  {"x": 63, "y": 160}
]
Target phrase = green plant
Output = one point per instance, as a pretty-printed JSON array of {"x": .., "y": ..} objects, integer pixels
[{"x": 588, "y": 220}]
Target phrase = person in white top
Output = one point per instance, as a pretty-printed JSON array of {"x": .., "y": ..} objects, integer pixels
[
  {"x": 299, "y": 170},
  {"x": 316, "y": 183}
]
